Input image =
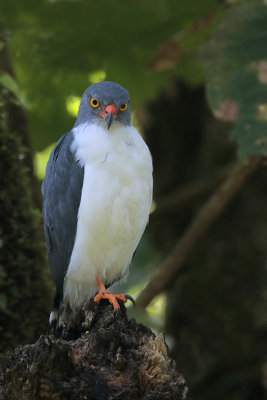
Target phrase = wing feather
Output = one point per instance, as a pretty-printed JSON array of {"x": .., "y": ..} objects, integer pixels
[{"x": 61, "y": 191}]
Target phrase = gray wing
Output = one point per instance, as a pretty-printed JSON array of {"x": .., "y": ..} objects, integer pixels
[{"x": 61, "y": 191}]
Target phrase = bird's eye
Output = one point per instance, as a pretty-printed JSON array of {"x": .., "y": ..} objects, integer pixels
[
  {"x": 94, "y": 102},
  {"x": 123, "y": 107}
]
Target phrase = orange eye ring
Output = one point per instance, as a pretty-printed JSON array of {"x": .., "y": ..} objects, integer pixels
[
  {"x": 123, "y": 107},
  {"x": 94, "y": 103}
]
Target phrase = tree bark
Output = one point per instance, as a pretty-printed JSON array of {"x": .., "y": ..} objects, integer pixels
[
  {"x": 16, "y": 120},
  {"x": 105, "y": 356},
  {"x": 25, "y": 283}
]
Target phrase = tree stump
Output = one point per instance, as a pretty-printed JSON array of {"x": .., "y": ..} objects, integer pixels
[{"x": 104, "y": 357}]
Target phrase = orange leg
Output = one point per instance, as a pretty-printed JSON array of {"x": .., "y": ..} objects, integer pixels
[{"x": 104, "y": 294}]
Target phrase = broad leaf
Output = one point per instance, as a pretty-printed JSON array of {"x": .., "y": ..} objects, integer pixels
[{"x": 236, "y": 74}]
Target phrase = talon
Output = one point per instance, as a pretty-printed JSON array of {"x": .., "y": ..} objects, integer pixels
[
  {"x": 128, "y": 297},
  {"x": 116, "y": 312},
  {"x": 112, "y": 298}
]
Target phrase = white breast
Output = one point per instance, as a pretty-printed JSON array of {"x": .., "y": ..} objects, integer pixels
[{"x": 115, "y": 204}]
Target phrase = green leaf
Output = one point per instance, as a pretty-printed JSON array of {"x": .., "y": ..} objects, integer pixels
[
  {"x": 235, "y": 60},
  {"x": 12, "y": 86},
  {"x": 58, "y": 48}
]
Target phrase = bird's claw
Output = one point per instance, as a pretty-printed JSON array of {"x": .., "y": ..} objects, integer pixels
[
  {"x": 128, "y": 297},
  {"x": 116, "y": 312},
  {"x": 113, "y": 299}
]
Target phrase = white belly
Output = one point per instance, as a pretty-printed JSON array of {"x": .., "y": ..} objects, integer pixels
[{"x": 113, "y": 213}]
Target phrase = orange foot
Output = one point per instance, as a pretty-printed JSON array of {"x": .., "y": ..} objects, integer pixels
[{"x": 112, "y": 298}]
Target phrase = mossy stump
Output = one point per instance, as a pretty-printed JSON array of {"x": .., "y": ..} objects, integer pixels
[{"x": 105, "y": 357}]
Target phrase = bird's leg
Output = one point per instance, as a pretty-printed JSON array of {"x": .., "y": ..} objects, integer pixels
[{"x": 104, "y": 294}]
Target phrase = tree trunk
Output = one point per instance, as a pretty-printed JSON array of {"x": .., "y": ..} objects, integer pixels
[
  {"x": 25, "y": 285},
  {"x": 16, "y": 120}
]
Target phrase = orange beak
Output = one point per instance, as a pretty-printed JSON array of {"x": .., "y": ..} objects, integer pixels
[{"x": 109, "y": 114}]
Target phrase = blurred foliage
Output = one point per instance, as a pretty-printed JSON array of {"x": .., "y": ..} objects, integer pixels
[
  {"x": 59, "y": 47},
  {"x": 217, "y": 308},
  {"x": 214, "y": 311},
  {"x": 40, "y": 161},
  {"x": 72, "y": 105},
  {"x": 236, "y": 74},
  {"x": 10, "y": 84}
]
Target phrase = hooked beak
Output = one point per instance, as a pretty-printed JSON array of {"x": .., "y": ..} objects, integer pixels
[
  {"x": 110, "y": 113},
  {"x": 109, "y": 119}
]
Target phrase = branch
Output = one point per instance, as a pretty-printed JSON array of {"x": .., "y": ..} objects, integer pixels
[
  {"x": 184, "y": 194},
  {"x": 209, "y": 212}
]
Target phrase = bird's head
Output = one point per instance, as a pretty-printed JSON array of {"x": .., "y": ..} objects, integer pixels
[{"x": 105, "y": 103}]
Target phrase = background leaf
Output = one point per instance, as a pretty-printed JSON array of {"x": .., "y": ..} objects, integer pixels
[
  {"x": 58, "y": 48},
  {"x": 235, "y": 61}
]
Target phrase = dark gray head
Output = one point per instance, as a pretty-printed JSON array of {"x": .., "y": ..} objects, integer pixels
[{"x": 105, "y": 103}]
